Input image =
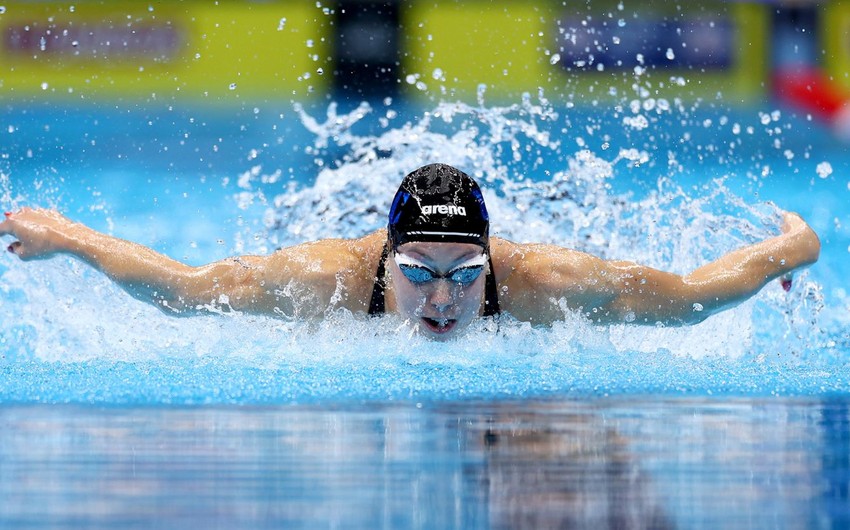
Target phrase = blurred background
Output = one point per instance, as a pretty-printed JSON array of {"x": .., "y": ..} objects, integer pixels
[{"x": 246, "y": 53}]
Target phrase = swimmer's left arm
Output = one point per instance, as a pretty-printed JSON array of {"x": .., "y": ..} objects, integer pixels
[
  {"x": 540, "y": 282},
  {"x": 648, "y": 296}
]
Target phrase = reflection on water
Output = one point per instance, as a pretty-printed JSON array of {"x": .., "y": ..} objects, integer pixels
[{"x": 575, "y": 464}]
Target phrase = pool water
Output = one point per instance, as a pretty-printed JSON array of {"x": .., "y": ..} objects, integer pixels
[{"x": 114, "y": 415}]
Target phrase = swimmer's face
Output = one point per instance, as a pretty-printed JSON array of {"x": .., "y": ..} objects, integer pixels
[{"x": 439, "y": 306}]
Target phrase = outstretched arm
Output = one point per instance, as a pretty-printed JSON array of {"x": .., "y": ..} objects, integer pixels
[
  {"x": 721, "y": 284},
  {"x": 299, "y": 281},
  {"x": 619, "y": 291}
]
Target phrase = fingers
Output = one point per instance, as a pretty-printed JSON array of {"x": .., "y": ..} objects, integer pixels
[
  {"x": 5, "y": 224},
  {"x": 6, "y": 229},
  {"x": 786, "y": 280},
  {"x": 791, "y": 222}
]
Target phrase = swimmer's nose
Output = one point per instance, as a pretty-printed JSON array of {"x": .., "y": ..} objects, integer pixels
[{"x": 441, "y": 295}]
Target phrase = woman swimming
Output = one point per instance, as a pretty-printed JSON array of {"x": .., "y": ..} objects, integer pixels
[{"x": 435, "y": 265}]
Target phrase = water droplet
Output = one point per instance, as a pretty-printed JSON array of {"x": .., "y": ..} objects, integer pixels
[
  {"x": 411, "y": 79},
  {"x": 42, "y": 44},
  {"x": 555, "y": 58},
  {"x": 44, "y": 85},
  {"x": 621, "y": 23},
  {"x": 670, "y": 55},
  {"x": 437, "y": 74},
  {"x": 310, "y": 43},
  {"x": 320, "y": 71},
  {"x": 281, "y": 24},
  {"x": 629, "y": 317},
  {"x": 232, "y": 86},
  {"x": 698, "y": 307},
  {"x": 824, "y": 169},
  {"x": 3, "y": 9}
]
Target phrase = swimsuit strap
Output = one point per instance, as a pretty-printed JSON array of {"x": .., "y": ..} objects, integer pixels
[
  {"x": 491, "y": 293},
  {"x": 377, "y": 304}
]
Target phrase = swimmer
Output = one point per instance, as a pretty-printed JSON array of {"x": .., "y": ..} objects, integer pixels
[{"x": 435, "y": 265}]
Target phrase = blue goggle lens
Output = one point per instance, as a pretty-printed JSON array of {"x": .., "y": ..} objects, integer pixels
[
  {"x": 466, "y": 275},
  {"x": 416, "y": 274}
]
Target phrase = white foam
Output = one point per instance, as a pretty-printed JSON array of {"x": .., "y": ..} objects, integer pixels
[{"x": 61, "y": 311}]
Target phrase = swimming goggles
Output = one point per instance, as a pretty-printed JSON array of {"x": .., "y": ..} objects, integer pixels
[{"x": 419, "y": 273}]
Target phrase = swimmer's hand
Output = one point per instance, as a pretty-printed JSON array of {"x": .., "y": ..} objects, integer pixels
[
  {"x": 803, "y": 239},
  {"x": 40, "y": 233}
]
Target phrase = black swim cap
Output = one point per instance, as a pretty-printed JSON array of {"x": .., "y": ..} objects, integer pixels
[{"x": 439, "y": 203}]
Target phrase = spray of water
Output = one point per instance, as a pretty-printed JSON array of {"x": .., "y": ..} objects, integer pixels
[{"x": 68, "y": 315}]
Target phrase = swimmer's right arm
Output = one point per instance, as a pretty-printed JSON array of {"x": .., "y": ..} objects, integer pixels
[{"x": 300, "y": 281}]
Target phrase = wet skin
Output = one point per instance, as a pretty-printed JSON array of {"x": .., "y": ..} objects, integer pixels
[{"x": 441, "y": 309}]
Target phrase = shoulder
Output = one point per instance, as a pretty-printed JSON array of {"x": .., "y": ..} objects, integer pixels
[
  {"x": 538, "y": 262},
  {"x": 332, "y": 264},
  {"x": 533, "y": 278}
]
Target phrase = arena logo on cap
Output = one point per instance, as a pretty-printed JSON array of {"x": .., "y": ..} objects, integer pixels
[{"x": 444, "y": 209}]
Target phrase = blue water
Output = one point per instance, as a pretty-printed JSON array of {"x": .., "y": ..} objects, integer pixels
[{"x": 115, "y": 415}]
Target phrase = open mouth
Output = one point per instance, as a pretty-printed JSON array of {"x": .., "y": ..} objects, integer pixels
[{"x": 439, "y": 325}]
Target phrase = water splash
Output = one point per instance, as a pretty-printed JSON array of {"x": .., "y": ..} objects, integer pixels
[{"x": 75, "y": 336}]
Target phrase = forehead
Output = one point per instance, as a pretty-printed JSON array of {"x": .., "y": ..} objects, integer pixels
[{"x": 440, "y": 252}]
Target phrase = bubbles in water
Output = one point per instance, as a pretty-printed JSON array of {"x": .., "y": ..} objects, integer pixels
[
  {"x": 281, "y": 24},
  {"x": 824, "y": 170}
]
